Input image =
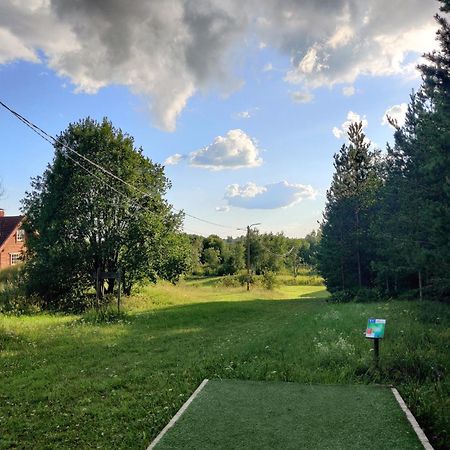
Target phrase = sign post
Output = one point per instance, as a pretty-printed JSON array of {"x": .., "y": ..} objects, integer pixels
[{"x": 375, "y": 331}]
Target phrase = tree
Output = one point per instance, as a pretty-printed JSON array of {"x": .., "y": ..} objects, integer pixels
[
  {"x": 344, "y": 256},
  {"x": 79, "y": 220},
  {"x": 414, "y": 212}
]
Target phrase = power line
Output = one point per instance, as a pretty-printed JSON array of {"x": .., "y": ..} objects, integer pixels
[{"x": 53, "y": 141}]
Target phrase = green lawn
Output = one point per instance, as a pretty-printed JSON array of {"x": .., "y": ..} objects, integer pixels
[
  {"x": 273, "y": 415},
  {"x": 65, "y": 382}
]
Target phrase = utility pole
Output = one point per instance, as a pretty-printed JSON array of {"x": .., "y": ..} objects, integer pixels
[{"x": 248, "y": 251}]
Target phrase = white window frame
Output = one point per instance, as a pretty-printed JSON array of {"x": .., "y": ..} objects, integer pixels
[
  {"x": 15, "y": 258},
  {"x": 20, "y": 235}
]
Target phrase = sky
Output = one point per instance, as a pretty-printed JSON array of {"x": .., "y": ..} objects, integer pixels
[{"x": 244, "y": 103}]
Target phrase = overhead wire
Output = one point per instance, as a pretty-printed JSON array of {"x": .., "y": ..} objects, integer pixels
[{"x": 54, "y": 141}]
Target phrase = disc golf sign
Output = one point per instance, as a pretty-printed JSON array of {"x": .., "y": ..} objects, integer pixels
[{"x": 375, "y": 328}]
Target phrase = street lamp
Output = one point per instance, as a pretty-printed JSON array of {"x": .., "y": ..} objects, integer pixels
[{"x": 248, "y": 251}]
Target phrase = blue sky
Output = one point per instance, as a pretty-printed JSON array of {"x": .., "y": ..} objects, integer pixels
[{"x": 248, "y": 108}]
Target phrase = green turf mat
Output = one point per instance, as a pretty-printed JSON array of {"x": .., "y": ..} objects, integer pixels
[{"x": 272, "y": 415}]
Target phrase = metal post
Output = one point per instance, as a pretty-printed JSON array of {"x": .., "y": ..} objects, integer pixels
[{"x": 376, "y": 354}]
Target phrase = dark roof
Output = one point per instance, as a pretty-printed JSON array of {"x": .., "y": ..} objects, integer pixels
[{"x": 7, "y": 226}]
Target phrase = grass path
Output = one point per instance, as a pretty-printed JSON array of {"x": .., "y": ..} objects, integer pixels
[{"x": 65, "y": 382}]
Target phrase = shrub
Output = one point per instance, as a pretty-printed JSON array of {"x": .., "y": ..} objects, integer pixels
[
  {"x": 229, "y": 281},
  {"x": 269, "y": 280},
  {"x": 12, "y": 294},
  {"x": 364, "y": 295},
  {"x": 343, "y": 296}
]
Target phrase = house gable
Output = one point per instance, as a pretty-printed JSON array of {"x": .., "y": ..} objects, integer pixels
[{"x": 11, "y": 244}]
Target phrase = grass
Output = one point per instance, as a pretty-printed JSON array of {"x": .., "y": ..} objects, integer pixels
[
  {"x": 273, "y": 415},
  {"x": 66, "y": 381}
]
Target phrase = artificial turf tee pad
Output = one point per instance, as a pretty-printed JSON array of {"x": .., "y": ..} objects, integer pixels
[{"x": 231, "y": 414}]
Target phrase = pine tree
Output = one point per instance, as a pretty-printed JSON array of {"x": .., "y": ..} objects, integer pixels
[{"x": 345, "y": 230}]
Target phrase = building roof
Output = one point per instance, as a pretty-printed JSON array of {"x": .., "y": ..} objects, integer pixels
[{"x": 7, "y": 227}]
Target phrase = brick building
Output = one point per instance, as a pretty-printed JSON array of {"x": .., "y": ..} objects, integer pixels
[{"x": 12, "y": 240}]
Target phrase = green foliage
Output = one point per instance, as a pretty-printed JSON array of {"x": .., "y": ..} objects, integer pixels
[
  {"x": 78, "y": 222},
  {"x": 268, "y": 252},
  {"x": 269, "y": 280},
  {"x": 12, "y": 293},
  {"x": 387, "y": 221},
  {"x": 345, "y": 252},
  {"x": 229, "y": 281},
  {"x": 342, "y": 296}
]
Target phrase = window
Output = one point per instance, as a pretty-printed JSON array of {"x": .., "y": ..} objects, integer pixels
[
  {"x": 20, "y": 235},
  {"x": 15, "y": 258}
]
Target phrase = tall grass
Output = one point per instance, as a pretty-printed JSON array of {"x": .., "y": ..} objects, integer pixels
[{"x": 75, "y": 381}]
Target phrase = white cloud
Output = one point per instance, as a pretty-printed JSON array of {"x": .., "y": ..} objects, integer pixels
[
  {"x": 244, "y": 115},
  {"x": 235, "y": 150},
  {"x": 352, "y": 117},
  {"x": 270, "y": 196},
  {"x": 302, "y": 97},
  {"x": 167, "y": 51},
  {"x": 174, "y": 159},
  {"x": 396, "y": 112},
  {"x": 348, "y": 91},
  {"x": 222, "y": 208},
  {"x": 268, "y": 67}
]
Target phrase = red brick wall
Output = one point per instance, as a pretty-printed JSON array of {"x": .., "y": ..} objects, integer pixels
[{"x": 10, "y": 246}]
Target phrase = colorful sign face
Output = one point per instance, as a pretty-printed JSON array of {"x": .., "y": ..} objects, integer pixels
[{"x": 375, "y": 328}]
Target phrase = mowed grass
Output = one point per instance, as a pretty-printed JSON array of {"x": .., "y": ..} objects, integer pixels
[
  {"x": 229, "y": 414},
  {"x": 68, "y": 383}
]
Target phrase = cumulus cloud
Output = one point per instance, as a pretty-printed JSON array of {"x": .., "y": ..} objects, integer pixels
[
  {"x": 352, "y": 117},
  {"x": 348, "y": 91},
  {"x": 396, "y": 112},
  {"x": 235, "y": 150},
  {"x": 268, "y": 67},
  {"x": 302, "y": 97},
  {"x": 174, "y": 159},
  {"x": 270, "y": 196},
  {"x": 168, "y": 51}
]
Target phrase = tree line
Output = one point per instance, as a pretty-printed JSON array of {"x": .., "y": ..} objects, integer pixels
[
  {"x": 386, "y": 223},
  {"x": 268, "y": 252}
]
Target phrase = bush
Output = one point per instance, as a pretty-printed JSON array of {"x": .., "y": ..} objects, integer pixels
[
  {"x": 229, "y": 281},
  {"x": 269, "y": 280},
  {"x": 304, "y": 280},
  {"x": 12, "y": 293},
  {"x": 243, "y": 279},
  {"x": 365, "y": 295},
  {"x": 343, "y": 296}
]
